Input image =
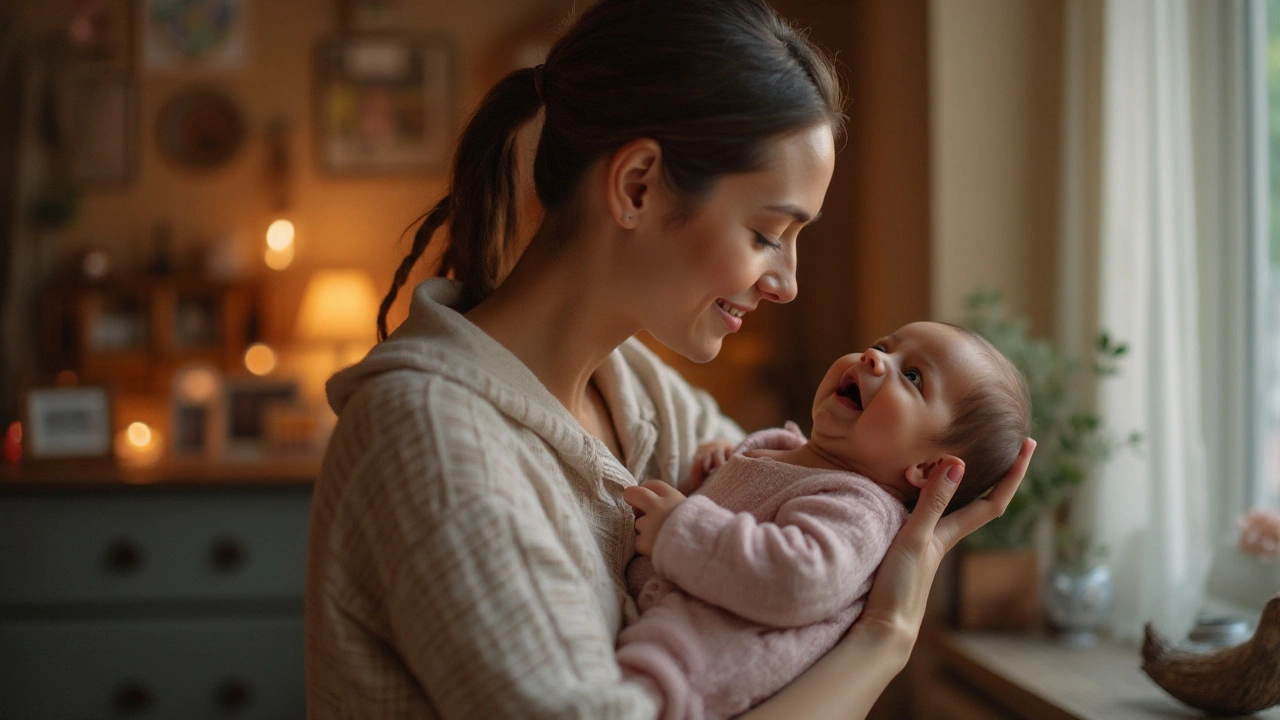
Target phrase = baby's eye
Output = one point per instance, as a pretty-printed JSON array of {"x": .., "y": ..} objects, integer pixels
[
  {"x": 914, "y": 377},
  {"x": 880, "y": 347}
]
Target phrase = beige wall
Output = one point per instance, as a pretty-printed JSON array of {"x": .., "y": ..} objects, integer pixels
[
  {"x": 995, "y": 71},
  {"x": 341, "y": 221}
]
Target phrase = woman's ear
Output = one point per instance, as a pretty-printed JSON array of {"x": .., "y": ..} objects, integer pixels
[
  {"x": 918, "y": 475},
  {"x": 632, "y": 173}
]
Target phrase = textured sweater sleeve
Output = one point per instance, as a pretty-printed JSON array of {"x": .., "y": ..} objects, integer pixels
[
  {"x": 468, "y": 585},
  {"x": 808, "y": 564}
]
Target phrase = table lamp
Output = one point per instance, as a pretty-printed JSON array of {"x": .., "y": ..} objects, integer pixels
[{"x": 339, "y": 308}]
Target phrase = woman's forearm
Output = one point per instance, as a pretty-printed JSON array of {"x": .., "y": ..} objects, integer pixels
[{"x": 846, "y": 682}]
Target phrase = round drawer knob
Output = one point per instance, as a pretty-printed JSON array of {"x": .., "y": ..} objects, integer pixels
[
  {"x": 132, "y": 697},
  {"x": 234, "y": 695},
  {"x": 123, "y": 556},
  {"x": 227, "y": 555}
]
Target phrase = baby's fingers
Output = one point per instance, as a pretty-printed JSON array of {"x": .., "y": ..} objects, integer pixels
[
  {"x": 640, "y": 497},
  {"x": 659, "y": 489}
]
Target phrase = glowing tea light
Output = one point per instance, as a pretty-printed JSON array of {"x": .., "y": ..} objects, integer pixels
[
  {"x": 278, "y": 259},
  {"x": 138, "y": 445},
  {"x": 260, "y": 359},
  {"x": 139, "y": 434},
  {"x": 280, "y": 235}
]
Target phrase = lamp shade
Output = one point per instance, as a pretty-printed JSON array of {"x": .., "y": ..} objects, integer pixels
[{"x": 338, "y": 306}]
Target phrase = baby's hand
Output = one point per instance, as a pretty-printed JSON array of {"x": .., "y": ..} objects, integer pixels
[
  {"x": 709, "y": 457},
  {"x": 653, "y": 501}
]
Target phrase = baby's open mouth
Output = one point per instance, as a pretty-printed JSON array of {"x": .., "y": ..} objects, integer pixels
[{"x": 849, "y": 389}]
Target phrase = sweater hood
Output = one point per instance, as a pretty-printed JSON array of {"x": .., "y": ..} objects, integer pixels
[{"x": 437, "y": 340}]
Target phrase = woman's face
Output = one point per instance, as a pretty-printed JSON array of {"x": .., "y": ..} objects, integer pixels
[{"x": 739, "y": 247}]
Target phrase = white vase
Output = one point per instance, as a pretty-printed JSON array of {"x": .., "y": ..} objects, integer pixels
[{"x": 1076, "y": 605}]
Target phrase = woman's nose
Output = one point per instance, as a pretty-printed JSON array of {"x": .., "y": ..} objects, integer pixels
[{"x": 779, "y": 285}]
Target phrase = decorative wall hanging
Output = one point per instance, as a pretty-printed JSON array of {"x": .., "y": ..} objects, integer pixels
[
  {"x": 193, "y": 35},
  {"x": 100, "y": 107},
  {"x": 201, "y": 129},
  {"x": 384, "y": 104}
]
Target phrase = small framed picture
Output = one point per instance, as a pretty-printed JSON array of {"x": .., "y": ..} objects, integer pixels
[
  {"x": 247, "y": 403},
  {"x": 101, "y": 120},
  {"x": 184, "y": 36},
  {"x": 64, "y": 423},
  {"x": 196, "y": 400},
  {"x": 384, "y": 104}
]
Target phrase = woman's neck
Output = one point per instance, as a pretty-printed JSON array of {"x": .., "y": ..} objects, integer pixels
[{"x": 558, "y": 312}]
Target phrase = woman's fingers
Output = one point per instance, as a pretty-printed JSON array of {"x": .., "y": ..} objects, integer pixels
[
  {"x": 933, "y": 500},
  {"x": 953, "y": 528}
]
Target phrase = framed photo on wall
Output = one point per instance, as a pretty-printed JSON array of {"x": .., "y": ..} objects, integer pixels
[
  {"x": 384, "y": 104},
  {"x": 101, "y": 117},
  {"x": 247, "y": 403},
  {"x": 64, "y": 423}
]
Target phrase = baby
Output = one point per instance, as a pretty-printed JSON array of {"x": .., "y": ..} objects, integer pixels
[{"x": 745, "y": 584}]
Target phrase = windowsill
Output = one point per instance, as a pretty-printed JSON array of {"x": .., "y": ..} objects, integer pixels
[{"x": 1031, "y": 676}]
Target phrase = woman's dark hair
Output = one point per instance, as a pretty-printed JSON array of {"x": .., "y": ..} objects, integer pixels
[{"x": 711, "y": 81}]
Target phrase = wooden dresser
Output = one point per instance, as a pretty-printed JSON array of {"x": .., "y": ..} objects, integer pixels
[{"x": 170, "y": 593}]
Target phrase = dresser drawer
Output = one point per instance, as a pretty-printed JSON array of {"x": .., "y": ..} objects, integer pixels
[
  {"x": 191, "y": 669},
  {"x": 202, "y": 545}
]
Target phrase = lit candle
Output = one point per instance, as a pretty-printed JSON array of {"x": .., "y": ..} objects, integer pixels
[
  {"x": 13, "y": 443},
  {"x": 138, "y": 445}
]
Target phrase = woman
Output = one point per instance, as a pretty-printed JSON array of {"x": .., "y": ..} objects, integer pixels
[{"x": 469, "y": 536}]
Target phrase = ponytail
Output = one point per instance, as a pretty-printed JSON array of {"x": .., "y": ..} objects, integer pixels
[
  {"x": 481, "y": 204},
  {"x": 713, "y": 82}
]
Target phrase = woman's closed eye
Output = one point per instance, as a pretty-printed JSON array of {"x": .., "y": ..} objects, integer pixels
[{"x": 764, "y": 241}]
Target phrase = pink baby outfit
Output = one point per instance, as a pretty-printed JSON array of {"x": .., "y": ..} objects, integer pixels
[{"x": 753, "y": 579}]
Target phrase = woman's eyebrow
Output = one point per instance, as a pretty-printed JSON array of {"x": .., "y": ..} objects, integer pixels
[{"x": 794, "y": 211}]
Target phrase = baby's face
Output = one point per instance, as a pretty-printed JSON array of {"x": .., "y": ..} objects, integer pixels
[{"x": 878, "y": 411}]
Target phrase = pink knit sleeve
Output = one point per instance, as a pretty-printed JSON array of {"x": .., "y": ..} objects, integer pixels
[
  {"x": 787, "y": 437},
  {"x": 811, "y": 562}
]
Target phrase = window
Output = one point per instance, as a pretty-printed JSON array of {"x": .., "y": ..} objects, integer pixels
[{"x": 1266, "y": 490}]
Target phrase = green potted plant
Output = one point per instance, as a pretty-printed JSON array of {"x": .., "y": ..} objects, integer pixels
[{"x": 998, "y": 574}]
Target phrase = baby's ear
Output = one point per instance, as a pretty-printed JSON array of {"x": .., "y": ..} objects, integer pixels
[{"x": 918, "y": 475}]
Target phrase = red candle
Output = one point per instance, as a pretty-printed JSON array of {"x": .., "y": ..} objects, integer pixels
[{"x": 13, "y": 443}]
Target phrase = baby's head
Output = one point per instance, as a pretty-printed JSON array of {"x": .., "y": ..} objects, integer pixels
[{"x": 929, "y": 393}]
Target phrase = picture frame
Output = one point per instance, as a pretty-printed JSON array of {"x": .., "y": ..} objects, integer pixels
[
  {"x": 246, "y": 403},
  {"x": 384, "y": 104},
  {"x": 67, "y": 423},
  {"x": 194, "y": 36},
  {"x": 101, "y": 116}
]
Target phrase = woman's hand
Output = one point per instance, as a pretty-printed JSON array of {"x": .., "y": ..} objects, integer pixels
[
  {"x": 653, "y": 501},
  {"x": 901, "y": 587}
]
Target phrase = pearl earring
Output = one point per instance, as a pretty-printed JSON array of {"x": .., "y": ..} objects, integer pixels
[{"x": 628, "y": 216}]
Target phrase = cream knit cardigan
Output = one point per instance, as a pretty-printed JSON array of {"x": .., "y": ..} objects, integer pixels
[{"x": 468, "y": 538}]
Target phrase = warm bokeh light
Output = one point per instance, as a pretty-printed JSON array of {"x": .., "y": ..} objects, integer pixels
[
  {"x": 66, "y": 378},
  {"x": 197, "y": 385},
  {"x": 139, "y": 434},
  {"x": 138, "y": 446},
  {"x": 279, "y": 259},
  {"x": 260, "y": 359},
  {"x": 280, "y": 235}
]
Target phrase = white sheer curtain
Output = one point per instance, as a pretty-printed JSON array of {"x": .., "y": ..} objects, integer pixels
[{"x": 1152, "y": 138}]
